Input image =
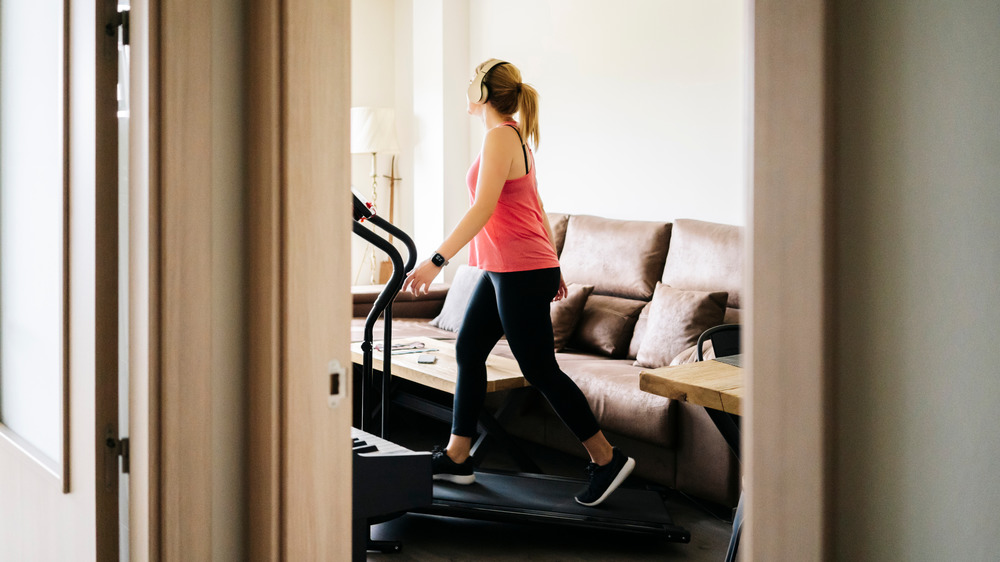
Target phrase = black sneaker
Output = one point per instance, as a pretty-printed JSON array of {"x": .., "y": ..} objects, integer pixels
[
  {"x": 444, "y": 468},
  {"x": 605, "y": 479}
]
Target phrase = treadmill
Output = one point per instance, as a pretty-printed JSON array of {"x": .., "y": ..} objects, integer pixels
[{"x": 513, "y": 497}]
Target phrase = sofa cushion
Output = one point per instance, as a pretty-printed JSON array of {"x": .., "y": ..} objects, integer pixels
[
  {"x": 566, "y": 313},
  {"x": 639, "y": 331},
  {"x": 612, "y": 389},
  {"x": 676, "y": 319},
  {"x": 705, "y": 256},
  {"x": 457, "y": 300},
  {"x": 606, "y": 325},
  {"x": 621, "y": 258},
  {"x": 558, "y": 222}
]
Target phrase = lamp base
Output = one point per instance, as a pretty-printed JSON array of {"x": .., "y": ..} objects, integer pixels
[{"x": 384, "y": 272}]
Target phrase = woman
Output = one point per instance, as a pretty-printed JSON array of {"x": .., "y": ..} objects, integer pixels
[{"x": 512, "y": 241}]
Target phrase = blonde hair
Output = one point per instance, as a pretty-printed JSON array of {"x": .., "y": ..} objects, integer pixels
[{"x": 508, "y": 95}]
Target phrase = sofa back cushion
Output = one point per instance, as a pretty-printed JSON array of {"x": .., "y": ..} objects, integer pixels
[
  {"x": 558, "y": 222},
  {"x": 621, "y": 258},
  {"x": 706, "y": 256}
]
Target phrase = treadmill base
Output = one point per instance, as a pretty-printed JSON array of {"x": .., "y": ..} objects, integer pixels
[{"x": 535, "y": 498}]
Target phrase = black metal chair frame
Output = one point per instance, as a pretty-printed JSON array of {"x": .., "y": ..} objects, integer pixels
[{"x": 725, "y": 340}]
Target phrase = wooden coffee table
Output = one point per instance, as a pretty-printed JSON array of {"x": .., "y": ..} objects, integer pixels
[
  {"x": 502, "y": 373},
  {"x": 712, "y": 384}
]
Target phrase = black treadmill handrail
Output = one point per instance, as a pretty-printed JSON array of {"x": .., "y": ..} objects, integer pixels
[
  {"x": 411, "y": 248},
  {"x": 383, "y": 303},
  {"x": 392, "y": 287}
]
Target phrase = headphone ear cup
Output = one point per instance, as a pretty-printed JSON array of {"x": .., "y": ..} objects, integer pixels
[
  {"x": 478, "y": 92},
  {"x": 477, "y": 89},
  {"x": 475, "y": 92}
]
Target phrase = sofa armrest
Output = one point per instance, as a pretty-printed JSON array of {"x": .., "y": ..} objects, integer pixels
[{"x": 406, "y": 305}]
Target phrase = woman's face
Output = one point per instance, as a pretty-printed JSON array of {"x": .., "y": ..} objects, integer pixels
[{"x": 474, "y": 108}]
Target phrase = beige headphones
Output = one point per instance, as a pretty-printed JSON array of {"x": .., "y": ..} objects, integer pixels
[{"x": 478, "y": 93}]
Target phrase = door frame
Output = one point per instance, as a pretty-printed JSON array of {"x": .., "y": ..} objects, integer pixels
[
  {"x": 82, "y": 509},
  {"x": 790, "y": 337},
  {"x": 297, "y": 88},
  {"x": 300, "y": 98},
  {"x": 788, "y": 443}
]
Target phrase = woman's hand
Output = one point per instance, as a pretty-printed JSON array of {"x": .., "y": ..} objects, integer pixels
[
  {"x": 419, "y": 280},
  {"x": 563, "y": 291}
]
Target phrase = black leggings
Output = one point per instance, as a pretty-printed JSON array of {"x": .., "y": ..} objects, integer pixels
[{"x": 515, "y": 304}]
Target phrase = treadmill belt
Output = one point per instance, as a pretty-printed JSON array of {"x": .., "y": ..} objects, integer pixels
[{"x": 497, "y": 496}]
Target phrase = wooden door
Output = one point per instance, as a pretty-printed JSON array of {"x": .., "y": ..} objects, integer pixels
[
  {"x": 60, "y": 489},
  {"x": 299, "y": 241}
]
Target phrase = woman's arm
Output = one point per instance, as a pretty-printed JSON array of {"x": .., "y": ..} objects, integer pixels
[{"x": 494, "y": 166}]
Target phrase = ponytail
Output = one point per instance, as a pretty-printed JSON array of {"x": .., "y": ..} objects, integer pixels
[
  {"x": 527, "y": 108},
  {"x": 508, "y": 95}
]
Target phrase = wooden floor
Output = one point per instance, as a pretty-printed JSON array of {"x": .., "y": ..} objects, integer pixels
[{"x": 439, "y": 539}]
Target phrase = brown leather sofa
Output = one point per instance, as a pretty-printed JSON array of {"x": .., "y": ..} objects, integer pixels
[{"x": 648, "y": 289}]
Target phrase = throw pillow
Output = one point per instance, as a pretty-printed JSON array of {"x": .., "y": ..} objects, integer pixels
[
  {"x": 676, "y": 319},
  {"x": 606, "y": 325},
  {"x": 457, "y": 299},
  {"x": 639, "y": 331},
  {"x": 566, "y": 312}
]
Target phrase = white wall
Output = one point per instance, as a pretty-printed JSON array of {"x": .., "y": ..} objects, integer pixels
[
  {"x": 643, "y": 102},
  {"x": 652, "y": 95},
  {"x": 373, "y": 39},
  {"x": 917, "y": 176}
]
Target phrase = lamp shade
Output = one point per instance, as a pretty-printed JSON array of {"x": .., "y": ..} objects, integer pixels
[{"x": 373, "y": 129}]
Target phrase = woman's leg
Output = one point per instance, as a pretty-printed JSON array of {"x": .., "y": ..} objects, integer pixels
[
  {"x": 523, "y": 301},
  {"x": 480, "y": 331}
]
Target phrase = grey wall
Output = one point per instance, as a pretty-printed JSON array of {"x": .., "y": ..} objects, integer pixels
[{"x": 917, "y": 153}]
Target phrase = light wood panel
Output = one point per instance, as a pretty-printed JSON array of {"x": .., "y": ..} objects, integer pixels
[
  {"x": 185, "y": 278},
  {"x": 299, "y": 99},
  {"x": 789, "y": 338},
  {"x": 316, "y": 283},
  {"x": 502, "y": 373},
  {"x": 712, "y": 384}
]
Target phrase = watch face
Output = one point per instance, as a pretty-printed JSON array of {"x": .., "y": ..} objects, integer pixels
[{"x": 438, "y": 260}]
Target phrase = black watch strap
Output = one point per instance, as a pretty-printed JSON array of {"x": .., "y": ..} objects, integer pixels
[{"x": 438, "y": 260}]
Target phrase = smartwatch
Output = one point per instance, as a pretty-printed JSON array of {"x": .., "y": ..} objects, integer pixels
[{"x": 438, "y": 260}]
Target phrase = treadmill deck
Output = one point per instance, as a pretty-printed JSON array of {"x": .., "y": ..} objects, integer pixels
[{"x": 519, "y": 498}]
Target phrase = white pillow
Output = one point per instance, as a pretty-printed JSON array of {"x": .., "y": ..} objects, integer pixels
[{"x": 457, "y": 299}]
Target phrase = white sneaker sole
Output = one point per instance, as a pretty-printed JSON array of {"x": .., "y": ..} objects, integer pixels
[
  {"x": 622, "y": 475},
  {"x": 456, "y": 478}
]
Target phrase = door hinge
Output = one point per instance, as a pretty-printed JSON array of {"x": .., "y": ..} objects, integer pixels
[
  {"x": 120, "y": 448},
  {"x": 120, "y": 19}
]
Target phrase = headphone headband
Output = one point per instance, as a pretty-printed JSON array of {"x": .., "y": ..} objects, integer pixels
[{"x": 478, "y": 93}]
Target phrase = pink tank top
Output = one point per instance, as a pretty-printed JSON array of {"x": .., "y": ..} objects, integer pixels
[{"x": 514, "y": 239}]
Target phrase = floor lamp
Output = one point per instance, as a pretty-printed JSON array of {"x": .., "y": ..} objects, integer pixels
[{"x": 373, "y": 130}]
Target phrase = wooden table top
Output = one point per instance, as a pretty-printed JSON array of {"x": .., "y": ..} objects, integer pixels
[
  {"x": 711, "y": 384},
  {"x": 502, "y": 373}
]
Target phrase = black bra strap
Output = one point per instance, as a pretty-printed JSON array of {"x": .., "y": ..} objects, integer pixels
[{"x": 523, "y": 149}]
